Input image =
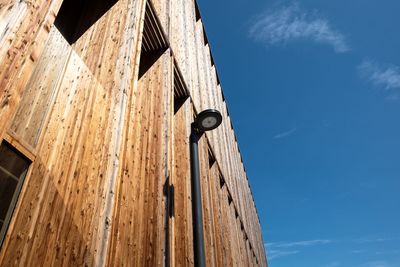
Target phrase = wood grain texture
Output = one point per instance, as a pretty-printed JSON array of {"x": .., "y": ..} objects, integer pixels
[
  {"x": 64, "y": 214},
  {"x": 24, "y": 27},
  {"x": 41, "y": 89},
  {"x": 182, "y": 237},
  {"x": 138, "y": 226},
  {"x": 107, "y": 146},
  {"x": 195, "y": 60}
]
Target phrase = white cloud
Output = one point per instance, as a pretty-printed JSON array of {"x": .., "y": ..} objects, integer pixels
[
  {"x": 281, "y": 249},
  {"x": 285, "y": 134},
  {"x": 274, "y": 253},
  {"x": 284, "y": 249},
  {"x": 387, "y": 77},
  {"x": 304, "y": 243},
  {"x": 281, "y": 25}
]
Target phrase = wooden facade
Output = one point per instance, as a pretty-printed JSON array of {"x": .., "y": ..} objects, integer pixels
[{"x": 99, "y": 96}]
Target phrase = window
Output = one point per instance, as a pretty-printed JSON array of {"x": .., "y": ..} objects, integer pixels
[
  {"x": 13, "y": 169},
  {"x": 211, "y": 158},
  {"x": 154, "y": 41},
  {"x": 75, "y": 17},
  {"x": 181, "y": 93}
]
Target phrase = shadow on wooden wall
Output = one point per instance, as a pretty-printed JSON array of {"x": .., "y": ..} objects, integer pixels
[{"x": 77, "y": 16}]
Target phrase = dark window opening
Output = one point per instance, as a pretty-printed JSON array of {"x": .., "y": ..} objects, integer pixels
[
  {"x": 154, "y": 42},
  {"x": 221, "y": 181},
  {"x": 212, "y": 59},
  {"x": 205, "y": 36},
  {"x": 13, "y": 169},
  {"x": 197, "y": 11},
  {"x": 211, "y": 158},
  {"x": 181, "y": 93},
  {"x": 75, "y": 17},
  {"x": 229, "y": 199},
  {"x": 147, "y": 59},
  {"x": 218, "y": 81}
]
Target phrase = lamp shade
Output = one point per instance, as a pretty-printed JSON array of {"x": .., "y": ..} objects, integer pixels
[{"x": 208, "y": 120}]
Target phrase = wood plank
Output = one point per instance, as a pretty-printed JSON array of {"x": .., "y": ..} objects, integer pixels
[
  {"x": 107, "y": 148},
  {"x": 140, "y": 212},
  {"x": 41, "y": 89},
  {"x": 63, "y": 216},
  {"x": 24, "y": 28}
]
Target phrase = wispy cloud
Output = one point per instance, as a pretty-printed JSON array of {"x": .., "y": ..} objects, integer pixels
[
  {"x": 376, "y": 264},
  {"x": 281, "y": 25},
  {"x": 281, "y": 249},
  {"x": 285, "y": 134},
  {"x": 274, "y": 253},
  {"x": 284, "y": 249},
  {"x": 304, "y": 243},
  {"x": 386, "y": 77}
]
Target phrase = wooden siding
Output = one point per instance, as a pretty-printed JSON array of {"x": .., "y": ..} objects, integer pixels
[
  {"x": 24, "y": 27},
  {"x": 110, "y": 180},
  {"x": 139, "y": 218}
]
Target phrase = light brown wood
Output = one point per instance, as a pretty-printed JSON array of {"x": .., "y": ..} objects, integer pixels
[
  {"x": 24, "y": 29},
  {"x": 106, "y": 146},
  {"x": 19, "y": 145}
]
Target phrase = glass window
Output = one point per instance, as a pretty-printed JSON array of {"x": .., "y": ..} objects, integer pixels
[{"x": 13, "y": 169}]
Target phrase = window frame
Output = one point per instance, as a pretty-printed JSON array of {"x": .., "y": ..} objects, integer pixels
[{"x": 15, "y": 147}]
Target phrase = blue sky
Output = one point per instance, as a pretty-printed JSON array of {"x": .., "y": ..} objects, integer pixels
[{"x": 313, "y": 88}]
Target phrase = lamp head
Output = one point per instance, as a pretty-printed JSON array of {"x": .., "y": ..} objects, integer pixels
[{"x": 208, "y": 120}]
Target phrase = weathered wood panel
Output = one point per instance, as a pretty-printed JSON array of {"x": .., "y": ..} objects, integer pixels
[
  {"x": 64, "y": 213},
  {"x": 41, "y": 89},
  {"x": 182, "y": 36},
  {"x": 204, "y": 168},
  {"x": 182, "y": 232},
  {"x": 24, "y": 27},
  {"x": 107, "y": 148},
  {"x": 193, "y": 56},
  {"x": 139, "y": 219},
  {"x": 162, "y": 9}
]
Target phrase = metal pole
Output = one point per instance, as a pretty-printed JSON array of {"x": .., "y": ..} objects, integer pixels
[{"x": 198, "y": 237}]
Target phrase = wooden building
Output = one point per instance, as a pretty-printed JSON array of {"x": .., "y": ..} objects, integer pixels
[{"x": 96, "y": 102}]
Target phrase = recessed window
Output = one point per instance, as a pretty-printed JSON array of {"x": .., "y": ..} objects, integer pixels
[
  {"x": 197, "y": 11},
  {"x": 211, "y": 158},
  {"x": 221, "y": 181},
  {"x": 154, "y": 42},
  {"x": 77, "y": 16},
  {"x": 181, "y": 92},
  {"x": 13, "y": 169}
]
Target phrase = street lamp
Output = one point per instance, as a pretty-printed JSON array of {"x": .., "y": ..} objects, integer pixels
[{"x": 206, "y": 120}]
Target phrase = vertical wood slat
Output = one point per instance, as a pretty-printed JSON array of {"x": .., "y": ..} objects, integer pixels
[
  {"x": 24, "y": 27},
  {"x": 138, "y": 232},
  {"x": 182, "y": 219},
  {"x": 97, "y": 104},
  {"x": 205, "y": 91},
  {"x": 204, "y": 168},
  {"x": 63, "y": 227},
  {"x": 41, "y": 89}
]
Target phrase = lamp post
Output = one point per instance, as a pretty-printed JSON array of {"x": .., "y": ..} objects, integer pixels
[{"x": 206, "y": 120}]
